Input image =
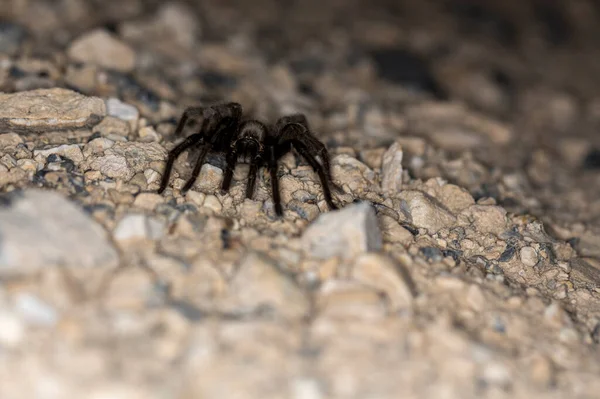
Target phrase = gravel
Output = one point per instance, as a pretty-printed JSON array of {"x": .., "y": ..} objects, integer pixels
[{"x": 463, "y": 261}]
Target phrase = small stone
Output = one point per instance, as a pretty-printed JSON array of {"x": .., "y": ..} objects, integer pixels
[
  {"x": 373, "y": 157},
  {"x": 118, "y": 109},
  {"x": 212, "y": 202},
  {"x": 455, "y": 198},
  {"x": 148, "y": 134},
  {"x": 487, "y": 218},
  {"x": 12, "y": 332},
  {"x": 382, "y": 273},
  {"x": 139, "y": 227},
  {"x": 342, "y": 299},
  {"x": 542, "y": 370},
  {"x": 148, "y": 201},
  {"x": 425, "y": 211},
  {"x": 529, "y": 256},
  {"x": 113, "y": 125},
  {"x": 195, "y": 197},
  {"x": 34, "y": 311},
  {"x": 101, "y": 48},
  {"x": 152, "y": 176},
  {"x": 49, "y": 109},
  {"x": 475, "y": 298},
  {"x": 210, "y": 178},
  {"x": 260, "y": 286},
  {"x": 63, "y": 234},
  {"x": 71, "y": 151},
  {"x": 9, "y": 140},
  {"x": 391, "y": 169},
  {"x": 28, "y": 165},
  {"x": 345, "y": 233},
  {"x": 393, "y": 232},
  {"x": 97, "y": 146}
]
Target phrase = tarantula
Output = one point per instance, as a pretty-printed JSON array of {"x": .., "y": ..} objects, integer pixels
[{"x": 224, "y": 131}]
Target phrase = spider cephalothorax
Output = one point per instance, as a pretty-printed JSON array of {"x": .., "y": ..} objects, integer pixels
[{"x": 224, "y": 131}]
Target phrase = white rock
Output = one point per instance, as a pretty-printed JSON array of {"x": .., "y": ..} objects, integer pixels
[
  {"x": 528, "y": 256},
  {"x": 34, "y": 311},
  {"x": 213, "y": 203},
  {"x": 345, "y": 233},
  {"x": 40, "y": 229},
  {"x": 487, "y": 218},
  {"x": 391, "y": 169},
  {"x": 139, "y": 227},
  {"x": 118, "y": 109},
  {"x": 101, "y": 48},
  {"x": 12, "y": 332}
]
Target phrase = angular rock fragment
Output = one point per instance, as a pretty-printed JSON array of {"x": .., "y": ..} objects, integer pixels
[
  {"x": 49, "y": 109},
  {"x": 426, "y": 212},
  {"x": 391, "y": 169},
  {"x": 344, "y": 233},
  {"x": 40, "y": 229},
  {"x": 99, "y": 47}
]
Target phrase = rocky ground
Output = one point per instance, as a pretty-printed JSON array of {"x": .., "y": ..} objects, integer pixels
[{"x": 465, "y": 261}]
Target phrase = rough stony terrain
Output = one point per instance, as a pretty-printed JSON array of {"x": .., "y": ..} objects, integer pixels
[{"x": 464, "y": 261}]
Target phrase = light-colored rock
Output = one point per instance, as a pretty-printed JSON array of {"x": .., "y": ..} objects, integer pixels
[
  {"x": 148, "y": 134},
  {"x": 454, "y": 198},
  {"x": 259, "y": 286},
  {"x": 97, "y": 146},
  {"x": 209, "y": 179},
  {"x": 113, "y": 124},
  {"x": 123, "y": 160},
  {"x": 528, "y": 256},
  {"x": 345, "y": 233},
  {"x": 34, "y": 311},
  {"x": 487, "y": 218},
  {"x": 342, "y": 299},
  {"x": 101, "y": 48},
  {"x": 9, "y": 140},
  {"x": 71, "y": 151},
  {"x": 352, "y": 175},
  {"x": 393, "y": 232},
  {"x": 426, "y": 211},
  {"x": 212, "y": 202},
  {"x": 382, "y": 273},
  {"x": 120, "y": 110},
  {"x": 136, "y": 226},
  {"x": 39, "y": 229},
  {"x": 391, "y": 169},
  {"x": 148, "y": 201},
  {"x": 49, "y": 109},
  {"x": 12, "y": 332}
]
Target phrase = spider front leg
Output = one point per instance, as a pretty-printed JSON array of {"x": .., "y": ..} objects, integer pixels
[
  {"x": 173, "y": 154},
  {"x": 231, "y": 160},
  {"x": 272, "y": 164},
  {"x": 321, "y": 170},
  {"x": 197, "y": 168}
]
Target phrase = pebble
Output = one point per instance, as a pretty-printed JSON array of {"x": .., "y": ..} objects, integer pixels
[
  {"x": 487, "y": 218},
  {"x": 135, "y": 226},
  {"x": 425, "y": 211},
  {"x": 126, "y": 112},
  {"x": 529, "y": 256},
  {"x": 382, "y": 273},
  {"x": 49, "y": 109},
  {"x": 259, "y": 286},
  {"x": 99, "y": 47},
  {"x": 210, "y": 178},
  {"x": 148, "y": 134},
  {"x": 342, "y": 299},
  {"x": 9, "y": 140},
  {"x": 345, "y": 233},
  {"x": 148, "y": 201},
  {"x": 391, "y": 169},
  {"x": 195, "y": 197},
  {"x": 112, "y": 125},
  {"x": 71, "y": 151},
  {"x": 212, "y": 202},
  {"x": 38, "y": 229},
  {"x": 13, "y": 329},
  {"x": 34, "y": 311}
]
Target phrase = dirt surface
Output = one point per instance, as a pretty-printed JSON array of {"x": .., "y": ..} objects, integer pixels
[{"x": 464, "y": 261}]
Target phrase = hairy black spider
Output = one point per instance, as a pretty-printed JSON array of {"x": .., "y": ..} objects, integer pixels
[{"x": 224, "y": 131}]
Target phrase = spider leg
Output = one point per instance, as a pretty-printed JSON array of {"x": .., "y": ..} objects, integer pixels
[
  {"x": 197, "y": 168},
  {"x": 317, "y": 167},
  {"x": 231, "y": 159},
  {"x": 252, "y": 177},
  {"x": 189, "y": 112},
  {"x": 173, "y": 154},
  {"x": 275, "y": 188}
]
